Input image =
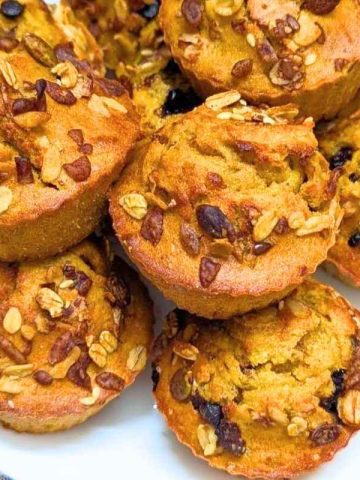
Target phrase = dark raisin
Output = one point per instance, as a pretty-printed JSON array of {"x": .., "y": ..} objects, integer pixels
[
  {"x": 208, "y": 271},
  {"x": 210, "y": 412},
  {"x": 325, "y": 434},
  {"x": 117, "y": 291},
  {"x": 354, "y": 240},
  {"x": 229, "y": 436},
  {"x": 155, "y": 376},
  {"x": 150, "y": 11},
  {"x": 180, "y": 387},
  {"x": 24, "y": 170},
  {"x": 192, "y": 12},
  {"x": 180, "y": 101},
  {"x": 341, "y": 157},
  {"x": 11, "y": 9},
  {"x": 320, "y": 7},
  {"x": 214, "y": 222},
  {"x": 152, "y": 225},
  {"x": 354, "y": 177},
  {"x": 43, "y": 378},
  {"x": 110, "y": 381},
  {"x": 242, "y": 68},
  {"x": 330, "y": 403},
  {"x": 261, "y": 247},
  {"x": 83, "y": 283}
]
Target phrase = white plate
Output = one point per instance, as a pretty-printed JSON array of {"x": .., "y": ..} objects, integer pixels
[{"x": 129, "y": 440}]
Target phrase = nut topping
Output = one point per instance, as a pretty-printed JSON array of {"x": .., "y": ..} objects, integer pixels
[
  {"x": 187, "y": 351},
  {"x": 265, "y": 225},
  {"x": 11, "y": 351},
  {"x": 189, "y": 239},
  {"x": 61, "y": 348},
  {"x": 13, "y": 320},
  {"x": 207, "y": 439},
  {"x": 50, "y": 301},
  {"x": 79, "y": 170},
  {"x": 6, "y": 197},
  {"x": 77, "y": 372},
  {"x": 137, "y": 359},
  {"x": 134, "y": 205},
  {"x": 110, "y": 381},
  {"x": 67, "y": 72},
  {"x": 152, "y": 225},
  {"x": 24, "y": 171},
  {"x": 208, "y": 271},
  {"x": 59, "y": 94}
]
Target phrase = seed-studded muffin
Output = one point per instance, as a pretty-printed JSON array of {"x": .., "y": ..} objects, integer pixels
[
  {"x": 268, "y": 395},
  {"x": 340, "y": 143},
  {"x": 271, "y": 51},
  {"x": 227, "y": 208},
  {"x": 60, "y": 146},
  {"x": 75, "y": 330},
  {"x": 135, "y": 54}
]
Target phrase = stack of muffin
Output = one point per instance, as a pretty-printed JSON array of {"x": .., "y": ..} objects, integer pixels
[{"x": 228, "y": 201}]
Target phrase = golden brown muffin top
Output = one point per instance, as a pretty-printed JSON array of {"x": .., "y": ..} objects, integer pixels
[
  {"x": 260, "y": 395},
  {"x": 74, "y": 331},
  {"x": 59, "y": 127},
  {"x": 222, "y": 198},
  {"x": 269, "y": 50}
]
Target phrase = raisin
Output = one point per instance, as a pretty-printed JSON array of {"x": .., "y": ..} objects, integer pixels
[
  {"x": 229, "y": 437},
  {"x": 180, "y": 387},
  {"x": 325, "y": 434},
  {"x": 83, "y": 283},
  {"x": 330, "y": 403},
  {"x": 116, "y": 291},
  {"x": 214, "y": 222},
  {"x": 180, "y": 101},
  {"x": 320, "y": 7},
  {"x": 189, "y": 239},
  {"x": 192, "y": 12},
  {"x": 341, "y": 157},
  {"x": 152, "y": 225},
  {"x": 242, "y": 68},
  {"x": 43, "y": 378},
  {"x": 210, "y": 412},
  {"x": 11, "y": 9},
  {"x": 208, "y": 271},
  {"x": 150, "y": 11},
  {"x": 24, "y": 171},
  {"x": 354, "y": 240},
  {"x": 110, "y": 381}
]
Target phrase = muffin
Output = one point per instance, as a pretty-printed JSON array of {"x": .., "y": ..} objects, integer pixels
[
  {"x": 270, "y": 51},
  {"x": 75, "y": 330},
  {"x": 227, "y": 208},
  {"x": 134, "y": 53},
  {"x": 339, "y": 141},
  {"x": 60, "y": 148},
  {"x": 268, "y": 395}
]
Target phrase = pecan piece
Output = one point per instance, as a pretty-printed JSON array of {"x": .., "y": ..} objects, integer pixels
[
  {"x": 208, "y": 271},
  {"x": 7, "y": 44},
  {"x": 79, "y": 170},
  {"x": 266, "y": 52},
  {"x": 77, "y": 135},
  {"x": 24, "y": 170},
  {"x": 110, "y": 381},
  {"x": 152, "y": 225},
  {"x": 189, "y": 239},
  {"x": 59, "y": 94},
  {"x": 77, "y": 373},
  {"x": 11, "y": 351},
  {"x": 191, "y": 10},
  {"x": 61, "y": 348}
]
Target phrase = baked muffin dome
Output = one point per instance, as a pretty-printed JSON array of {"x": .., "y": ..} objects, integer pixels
[
  {"x": 60, "y": 147},
  {"x": 227, "y": 209},
  {"x": 271, "y": 51},
  {"x": 339, "y": 141},
  {"x": 268, "y": 395},
  {"x": 135, "y": 54},
  {"x": 75, "y": 330}
]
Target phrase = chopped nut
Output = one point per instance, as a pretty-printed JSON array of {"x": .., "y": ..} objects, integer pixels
[
  {"x": 310, "y": 59},
  {"x": 51, "y": 166},
  {"x": 77, "y": 373},
  {"x": 221, "y": 100},
  {"x": 28, "y": 332},
  {"x": 114, "y": 104},
  {"x": 108, "y": 341},
  {"x": 50, "y": 301},
  {"x": 278, "y": 416},
  {"x": 189, "y": 239},
  {"x": 67, "y": 72},
  {"x": 152, "y": 225},
  {"x": 13, "y": 320},
  {"x": 207, "y": 439},
  {"x": 6, "y": 197},
  {"x": 91, "y": 400},
  {"x": 8, "y": 73},
  {"x": 61, "y": 348},
  {"x": 11, "y": 351},
  {"x": 42, "y": 324},
  {"x": 208, "y": 271},
  {"x": 30, "y": 120},
  {"x": 185, "y": 350},
  {"x": 265, "y": 225},
  {"x": 61, "y": 368},
  {"x": 297, "y": 426},
  {"x": 134, "y": 205},
  {"x": 315, "y": 224},
  {"x": 296, "y": 220},
  {"x": 79, "y": 170},
  {"x": 60, "y": 94},
  {"x": 137, "y": 359},
  {"x": 251, "y": 39},
  {"x": 98, "y": 354},
  {"x": 349, "y": 408},
  {"x": 102, "y": 105},
  {"x": 110, "y": 381}
]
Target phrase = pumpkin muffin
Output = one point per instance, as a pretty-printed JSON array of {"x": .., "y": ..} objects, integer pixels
[
  {"x": 134, "y": 53},
  {"x": 75, "y": 330},
  {"x": 228, "y": 207},
  {"x": 268, "y": 395},
  {"x": 271, "y": 51},
  {"x": 340, "y": 143},
  {"x": 60, "y": 148}
]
